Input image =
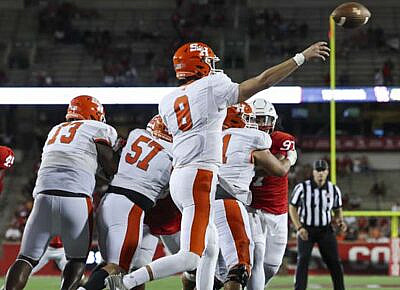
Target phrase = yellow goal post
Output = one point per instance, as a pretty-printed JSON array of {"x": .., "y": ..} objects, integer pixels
[{"x": 394, "y": 263}]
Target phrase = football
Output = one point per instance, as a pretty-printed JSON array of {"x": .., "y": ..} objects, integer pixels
[{"x": 351, "y": 15}]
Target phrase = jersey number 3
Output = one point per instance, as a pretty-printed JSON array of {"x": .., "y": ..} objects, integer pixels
[
  {"x": 144, "y": 163},
  {"x": 182, "y": 112}
]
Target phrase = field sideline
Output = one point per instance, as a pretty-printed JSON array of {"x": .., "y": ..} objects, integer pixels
[{"x": 280, "y": 282}]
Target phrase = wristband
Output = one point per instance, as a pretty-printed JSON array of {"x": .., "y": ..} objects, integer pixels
[
  {"x": 299, "y": 59},
  {"x": 300, "y": 227}
]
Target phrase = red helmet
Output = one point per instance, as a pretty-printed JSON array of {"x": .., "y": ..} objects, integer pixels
[
  {"x": 85, "y": 108},
  {"x": 240, "y": 116},
  {"x": 6, "y": 157},
  {"x": 158, "y": 129},
  {"x": 194, "y": 59}
]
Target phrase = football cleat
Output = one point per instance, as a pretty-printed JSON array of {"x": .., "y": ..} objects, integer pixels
[{"x": 114, "y": 282}]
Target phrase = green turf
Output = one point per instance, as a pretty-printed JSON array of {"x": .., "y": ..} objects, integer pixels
[{"x": 280, "y": 282}]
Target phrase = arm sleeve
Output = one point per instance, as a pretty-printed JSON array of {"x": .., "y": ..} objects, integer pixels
[
  {"x": 296, "y": 194},
  {"x": 263, "y": 141},
  {"x": 337, "y": 199},
  {"x": 225, "y": 92},
  {"x": 106, "y": 135}
]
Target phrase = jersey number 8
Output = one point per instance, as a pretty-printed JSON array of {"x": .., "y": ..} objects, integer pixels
[{"x": 182, "y": 112}]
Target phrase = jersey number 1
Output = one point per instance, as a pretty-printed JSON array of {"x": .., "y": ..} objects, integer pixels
[
  {"x": 182, "y": 112},
  {"x": 144, "y": 163},
  {"x": 225, "y": 141}
]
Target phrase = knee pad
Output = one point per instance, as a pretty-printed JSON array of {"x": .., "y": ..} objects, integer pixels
[
  {"x": 239, "y": 274},
  {"x": 189, "y": 259},
  {"x": 270, "y": 271}
]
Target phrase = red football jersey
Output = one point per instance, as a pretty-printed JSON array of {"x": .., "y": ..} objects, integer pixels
[
  {"x": 6, "y": 157},
  {"x": 271, "y": 193},
  {"x": 164, "y": 218},
  {"x": 6, "y": 161},
  {"x": 56, "y": 242}
]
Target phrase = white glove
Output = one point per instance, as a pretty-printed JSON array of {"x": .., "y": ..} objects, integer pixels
[{"x": 292, "y": 156}]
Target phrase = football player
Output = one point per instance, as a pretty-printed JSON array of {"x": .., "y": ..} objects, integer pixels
[
  {"x": 194, "y": 114},
  {"x": 244, "y": 147},
  {"x": 270, "y": 197},
  {"x": 142, "y": 177},
  {"x": 65, "y": 182},
  {"x": 162, "y": 221},
  {"x": 6, "y": 162}
]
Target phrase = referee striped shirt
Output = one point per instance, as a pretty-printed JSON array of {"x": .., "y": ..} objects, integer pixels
[{"x": 314, "y": 204}]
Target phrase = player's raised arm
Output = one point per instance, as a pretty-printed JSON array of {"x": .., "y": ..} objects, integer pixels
[
  {"x": 268, "y": 163},
  {"x": 277, "y": 73}
]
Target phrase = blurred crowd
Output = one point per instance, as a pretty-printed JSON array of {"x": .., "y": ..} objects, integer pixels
[
  {"x": 361, "y": 229},
  {"x": 192, "y": 20}
]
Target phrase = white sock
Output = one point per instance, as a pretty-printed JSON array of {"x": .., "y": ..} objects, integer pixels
[
  {"x": 257, "y": 277},
  {"x": 161, "y": 268},
  {"x": 208, "y": 261},
  {"x": 136, "y": 278}
]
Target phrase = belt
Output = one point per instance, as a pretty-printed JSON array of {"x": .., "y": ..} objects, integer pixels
[
  {"x": 62, "y": 193},
  {"x": 221, "y": 193},
  {"x": 143, "y": 201}
]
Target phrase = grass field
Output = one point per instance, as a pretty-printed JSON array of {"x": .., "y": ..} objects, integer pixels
[{"x": 280, "y": 282}]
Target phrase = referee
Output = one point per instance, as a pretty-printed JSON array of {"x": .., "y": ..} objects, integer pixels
[{"x": 310, "y": 211}]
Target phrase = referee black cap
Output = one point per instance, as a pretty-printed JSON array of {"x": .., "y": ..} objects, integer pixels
[{"x": 320, "y": 165}]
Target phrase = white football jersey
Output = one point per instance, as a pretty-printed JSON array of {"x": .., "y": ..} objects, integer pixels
[
  {"x": 69, "y": 158},
  {"x": 237, "y": 170},
  {"x": 145, "y": 165},
  {"x": 194, "y": 114}
]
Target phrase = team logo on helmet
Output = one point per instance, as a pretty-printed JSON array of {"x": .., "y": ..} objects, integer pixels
[{"x": 194, "y": 59}]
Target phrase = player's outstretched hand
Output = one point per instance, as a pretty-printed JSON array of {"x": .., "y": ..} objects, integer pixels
[{"x": 317, "y": 50}]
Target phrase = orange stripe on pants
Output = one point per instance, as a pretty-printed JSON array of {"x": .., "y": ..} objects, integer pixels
[
  {"x": 132, "y": 237},
  {"x": 201, "y": 197},
  {"x": 238, "y": 230}
]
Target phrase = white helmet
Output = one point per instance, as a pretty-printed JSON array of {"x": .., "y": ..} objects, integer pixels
[{"x": 264, "y": 108}]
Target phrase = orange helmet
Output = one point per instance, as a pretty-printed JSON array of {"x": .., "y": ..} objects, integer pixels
[
  {"x": 240, "y": 116},
  {"x": 85, "y": 108},
  {"x": 158, "y": 129},
  {"x": 194, "y": 59}
]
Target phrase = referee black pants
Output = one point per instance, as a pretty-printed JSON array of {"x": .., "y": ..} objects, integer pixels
[{"x": 326, "y": 240}]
